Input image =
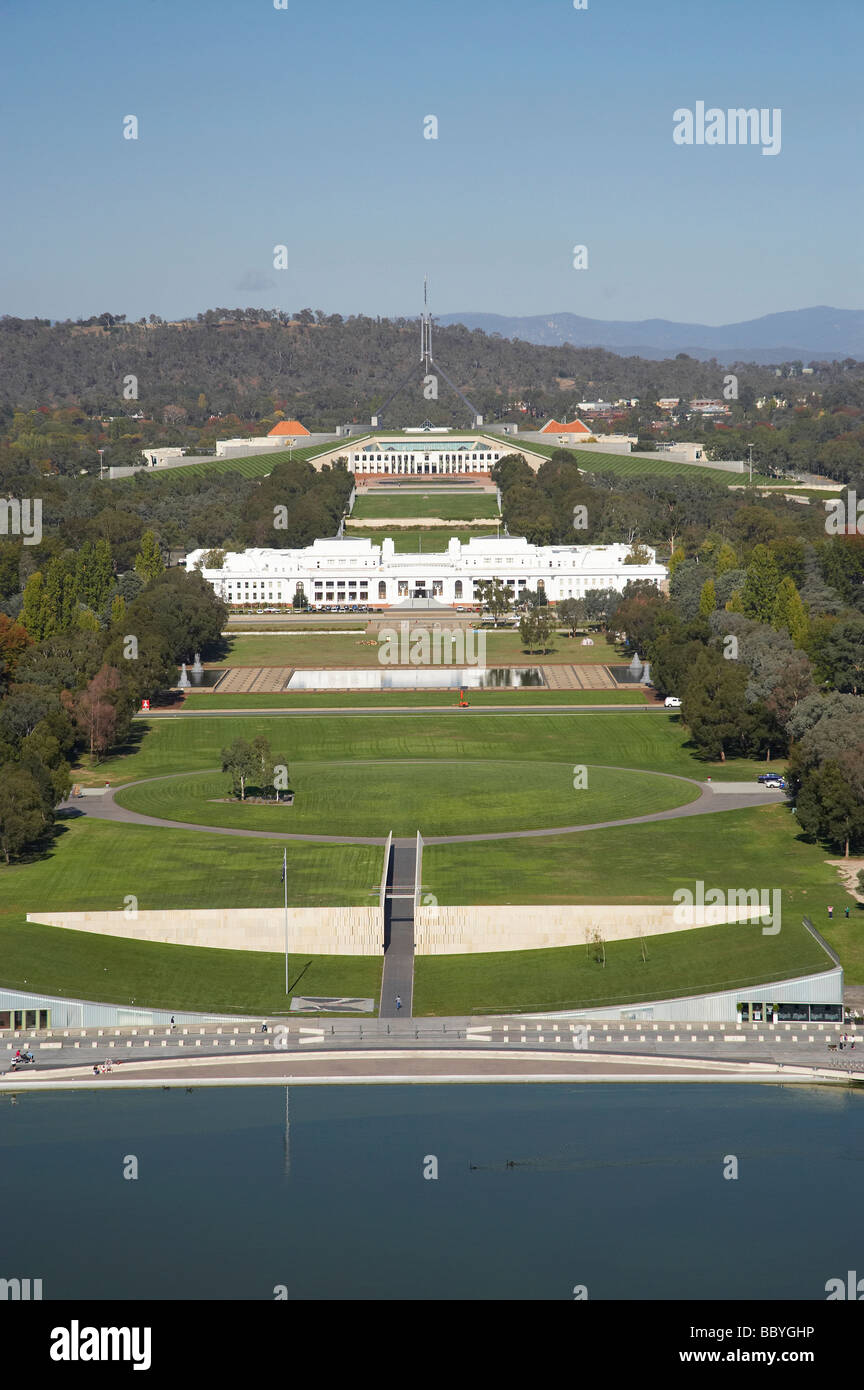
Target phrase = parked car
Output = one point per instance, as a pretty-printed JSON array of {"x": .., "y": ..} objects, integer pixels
[
  {"x": 672, "y": 702},
  {"x": 775, "y": 782}
]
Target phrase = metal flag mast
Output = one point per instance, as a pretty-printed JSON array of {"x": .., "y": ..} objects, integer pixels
[
  {"x": 285, "y": 881},
  {"x": 430, "y": 367}
]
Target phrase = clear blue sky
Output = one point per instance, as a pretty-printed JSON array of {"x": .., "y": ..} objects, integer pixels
[{"x": 305, "y": 127}]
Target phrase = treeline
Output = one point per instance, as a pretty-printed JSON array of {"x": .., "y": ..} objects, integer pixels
[
  {"x": 81, "y": 517},
  {"x": 71, "y": 682},
  {"x": 817, "y": 442},
  {"x": 562, "y": 505},
  {"x": 327, "y": 369},
  {"x": 767, "y": 659}
]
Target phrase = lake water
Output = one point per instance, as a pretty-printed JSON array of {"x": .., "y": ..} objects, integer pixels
[{"x": 619, "y": 1188}]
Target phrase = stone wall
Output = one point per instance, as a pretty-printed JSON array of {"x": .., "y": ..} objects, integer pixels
[
  {"x": 441, "y": 931},
  {"x": 327, "y": 931}
]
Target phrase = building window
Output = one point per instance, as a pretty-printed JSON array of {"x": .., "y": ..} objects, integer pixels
[
  {"x": 382, "y": 589},
  {"x": 457, "y": 588}
]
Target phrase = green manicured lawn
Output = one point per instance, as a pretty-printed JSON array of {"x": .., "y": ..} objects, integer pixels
[
  {"x": 357, "y": 699},
  {"x": 266, "y": 627},
  {"x": 254, "y": 466},
  {"x": 694, "y": 962},
  {"x": 438, "y": 798},
  {"x": 80, "y": 965},
  {"x": 418, "y": 541},
  {"x": 754, "y": 848},
  {"x": 448, "y": 506},
  {"x": 638, "y": 740},
  {"x": 598, "y": 461},
  {"x": 96, "y": 865},
  {"x": 349, "y": 649}
]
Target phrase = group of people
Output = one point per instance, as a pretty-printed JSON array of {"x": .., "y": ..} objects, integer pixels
[{"x": 101, "y": 1067}]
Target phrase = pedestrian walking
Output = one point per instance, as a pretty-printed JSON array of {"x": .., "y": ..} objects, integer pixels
[
  {"x": 398, "y": 1003},
  {"x": 846, "y": 913},
  {"x": 830, "y": 914}
]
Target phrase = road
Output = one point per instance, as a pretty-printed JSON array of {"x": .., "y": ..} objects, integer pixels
[{"x": 380, "y": 1044}]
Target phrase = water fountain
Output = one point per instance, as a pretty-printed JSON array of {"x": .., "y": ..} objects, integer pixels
[
  {"x": 646, "y": 673},
  {"x": 636, "y": 668},
  {"x": 197, "y": 668},
  {"x": 183, "y": 683}
]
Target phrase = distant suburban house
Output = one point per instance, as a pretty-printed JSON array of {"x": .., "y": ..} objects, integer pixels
[{"x": 287, "y": 427}]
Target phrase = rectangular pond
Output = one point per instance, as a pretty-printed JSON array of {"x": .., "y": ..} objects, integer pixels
[{"x": 416, "y": 678}]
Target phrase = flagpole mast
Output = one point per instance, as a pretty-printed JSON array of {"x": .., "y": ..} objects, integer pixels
[{"x": 285, "y": 881}]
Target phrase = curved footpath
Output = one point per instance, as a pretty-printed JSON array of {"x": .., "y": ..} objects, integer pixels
[
  {"x": 378, "y": 710},
  {"x": 713, "y": 798}
]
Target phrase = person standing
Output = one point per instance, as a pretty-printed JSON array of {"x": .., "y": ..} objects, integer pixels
[
  {"x": 398, "y": 1003},
  {"x": 830, "y": 914}
]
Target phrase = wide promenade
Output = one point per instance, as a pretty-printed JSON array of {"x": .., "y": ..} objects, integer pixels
[{"x": 512, "y": 1048}]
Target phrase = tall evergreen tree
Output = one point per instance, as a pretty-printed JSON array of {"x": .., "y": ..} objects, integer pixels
[
  {"x": 789, "y": 612},
  {"x": 707, "y": 599},
  {"x": 148, "y": 561},
  {"x": 760, "y": 587}
]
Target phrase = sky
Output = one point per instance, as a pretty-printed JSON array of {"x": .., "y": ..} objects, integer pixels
[{"x": 304, "y": 126}]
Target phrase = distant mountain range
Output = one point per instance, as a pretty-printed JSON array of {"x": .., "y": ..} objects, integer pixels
[{"x": 818, "y": 334}]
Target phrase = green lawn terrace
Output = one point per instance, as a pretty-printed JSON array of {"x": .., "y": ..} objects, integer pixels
[
  {"x": 491, "y": 700},
  {"x": 446, "y": 505},
  {"x": 638, "y": 740},
  {"x": 415, "y": 540},
  {"x": 442, "y": 797},
  {"x": 312, "y": 650},
  {"x": 599, "y": 461},
  {"x": 97, "y": 865},
  {"x": 454, "y": 776},
  {"x": 249, "y": 466}
]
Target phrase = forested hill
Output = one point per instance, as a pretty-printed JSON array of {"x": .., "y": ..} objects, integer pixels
[{"x": 328, "y": 370}]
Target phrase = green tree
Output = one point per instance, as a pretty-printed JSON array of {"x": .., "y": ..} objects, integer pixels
[
  {"x": 726, "y": 559},
  {"x": 148, "y": 561},
  {"x": 735, "y": 602},
  {"x": 495, "y": 598},
  {"x": 707, "y": 599},
  {"x": 789, "y": 612},
  {"x": 676, "y": 558},
  {"x": 241, "y": 760},
  {"x": 839, "y": 655},
  {"x": 22, "y": 820},
  {"x": 571, "y": 611},
  {"x": 713, "y": 704},
  {"x": 32, "y": 611},
  {"x": 760, "y": 587}
]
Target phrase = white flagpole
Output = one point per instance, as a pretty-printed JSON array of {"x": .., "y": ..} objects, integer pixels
[{"x": 285, "y": 881}]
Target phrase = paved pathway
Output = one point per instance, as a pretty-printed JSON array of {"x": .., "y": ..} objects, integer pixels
[
  {"x": 376, "y": 711},
  {"x": 397, "y": 977},
  {"x": 710, "y": 800},
  {"x": 591, "y": 1046}
]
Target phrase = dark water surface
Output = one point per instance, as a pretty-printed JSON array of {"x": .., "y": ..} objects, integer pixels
[{"x": 619, "y": 1188}]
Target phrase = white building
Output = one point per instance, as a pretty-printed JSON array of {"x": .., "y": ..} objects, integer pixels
[
  {"x": 154, "y": 458},
  {"x": 358, "y": 571}
]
